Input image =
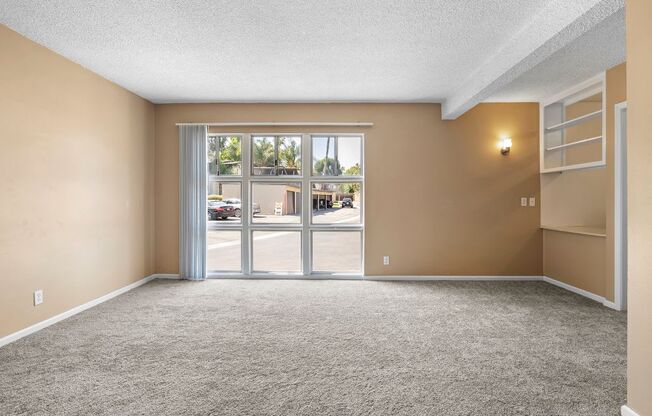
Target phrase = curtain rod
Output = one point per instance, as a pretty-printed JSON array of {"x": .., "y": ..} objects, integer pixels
[{"x": 282, "y": 123}]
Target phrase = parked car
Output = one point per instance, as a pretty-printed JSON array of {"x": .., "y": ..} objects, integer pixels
[
  {"x": 347, "y": 202},
  {"x": 237, "y": 206},
  {"x": 220, "y": 210}
]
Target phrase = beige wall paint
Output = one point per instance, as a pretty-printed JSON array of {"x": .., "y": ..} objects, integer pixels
[
  {"x": 584, "y": 197},
  {"x": 461, "y": 196},
  {"x": 575, "y": 259},
  {"x": 616, "y": 93},
  {"x": 639, "y": 143},
  {"x": 77, "y": 169}
]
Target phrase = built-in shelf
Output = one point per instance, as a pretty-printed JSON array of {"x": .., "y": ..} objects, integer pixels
[
  {"x": 574, "y": 121},
  {"x": 575, "y": 143},
  {"x": 585, "y": 106},
  {"x": 574, "y": 167},
  {"x": 577, "y": 229}
]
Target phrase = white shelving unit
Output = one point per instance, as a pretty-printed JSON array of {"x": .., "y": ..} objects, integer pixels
[{"x": 563, "y": 118}]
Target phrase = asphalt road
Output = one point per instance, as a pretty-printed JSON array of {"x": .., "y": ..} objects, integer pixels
[{"x": 280, "y": 251}]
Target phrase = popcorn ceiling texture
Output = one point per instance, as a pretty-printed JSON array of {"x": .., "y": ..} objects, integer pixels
[
  {"x": 306, "y": 50},
  {"x": 555, "y": 27},
  {"x": 602, "y": 47}
]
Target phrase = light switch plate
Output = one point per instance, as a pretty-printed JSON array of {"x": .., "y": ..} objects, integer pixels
[
  {"x": 386, "y": 260},
  {"x": 532, "y": 201},
  {"x": 524, "y": 201}
]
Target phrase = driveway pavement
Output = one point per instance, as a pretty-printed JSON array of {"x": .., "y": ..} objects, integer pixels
[{"x": 280, "y": 251}]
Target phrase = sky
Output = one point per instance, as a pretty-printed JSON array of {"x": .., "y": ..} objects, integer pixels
[{"x": 348, "y": 150}]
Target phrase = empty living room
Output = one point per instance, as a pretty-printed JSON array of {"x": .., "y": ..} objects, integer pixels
[{"x": 308, "y": 207}]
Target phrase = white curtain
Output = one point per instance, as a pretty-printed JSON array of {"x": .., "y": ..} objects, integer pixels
[{"x": 192, "y": 202}]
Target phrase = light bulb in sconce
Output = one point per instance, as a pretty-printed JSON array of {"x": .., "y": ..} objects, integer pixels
[{"x": 505, "y": 145}]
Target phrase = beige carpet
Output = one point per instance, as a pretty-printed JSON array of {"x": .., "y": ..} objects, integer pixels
[{"x": 234, "y": 347}]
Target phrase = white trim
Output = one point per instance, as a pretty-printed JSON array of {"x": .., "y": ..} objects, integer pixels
[
  {"x": 611, "y": 305},
  {"x": 74, "y": 311},
  {"x": 166, "y": 276},
  {"x": 620, "y": 210},
  {"x": 575, "y": 143},
  {"x": 627, "y": 411},
  {"x": 580, "y": 292},
  {"x": 282, "y": 124},
  {"x": 576, "y": 93},
  {"x": 572, "y": 122},
  {"x": 586, "y": 165},
  {"x": 574, "y": 289},
  {"x": 284, "y": 276},
  {"x": 453, "y": 278}
]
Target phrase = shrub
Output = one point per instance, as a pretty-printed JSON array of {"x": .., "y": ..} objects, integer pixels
[{"x": 214, "y": 197}]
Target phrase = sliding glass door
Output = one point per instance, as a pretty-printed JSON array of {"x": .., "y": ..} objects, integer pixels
[{"x": 285, "y": 204}]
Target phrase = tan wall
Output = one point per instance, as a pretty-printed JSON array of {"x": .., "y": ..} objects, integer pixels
[
  {"x": 76, "y": 162},
  {"x": 461, "y": 196},
  {"x": 639, "y": 143},
  {"x": 616, "y": 93},
  {"x": 577, "y": 260},
  {"x": 584, "y": 197}
]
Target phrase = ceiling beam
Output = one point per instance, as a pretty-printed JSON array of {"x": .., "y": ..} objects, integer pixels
[{"x": 555, "y": 27}]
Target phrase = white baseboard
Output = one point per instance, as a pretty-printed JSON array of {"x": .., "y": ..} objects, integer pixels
[
  {"x": 626, "y": 411},
  {"x": 50, "y": 321},
  {"x": 582, "y": 292},
  {"x": 453, "y": 278},
  {"x": 77, "y": 309},
  {"x": 574, "y": 289},
  {"x": 611, "y": 305},
  {"x": 166, "y": 276}
]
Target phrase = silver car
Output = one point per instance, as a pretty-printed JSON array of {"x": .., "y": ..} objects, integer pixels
[{"x": 237, "y": 206}]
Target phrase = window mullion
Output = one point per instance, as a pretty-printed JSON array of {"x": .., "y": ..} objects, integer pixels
[
  {"x": 306, "y": 203},
  {"x": 336, "y": 156},
  {"x": 247, "y": 168}
]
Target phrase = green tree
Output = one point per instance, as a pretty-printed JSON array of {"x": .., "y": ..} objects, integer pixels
[
  {"x": 328, "y": 166},
  {"x": 212, "y": 155},
  {"x": 230, "y": 155},
  {"x": 289, "y": 153},
  {"x": 353, "y": 170},
  {"x": 263, "y": 152},
  {"x": 351, "y": 188}
]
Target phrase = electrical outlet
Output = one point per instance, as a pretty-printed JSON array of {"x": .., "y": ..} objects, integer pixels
[
  {"x": 386, "y": 260},
  {"x": 524, "y": 201},
  {"x": 532, "y": 201},
  {"x": 38, "y": 297}
]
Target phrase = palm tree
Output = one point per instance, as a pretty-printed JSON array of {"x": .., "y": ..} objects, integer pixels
[
  {"x": 289, "y": 154},
  {"x": 263, "y": 153}
]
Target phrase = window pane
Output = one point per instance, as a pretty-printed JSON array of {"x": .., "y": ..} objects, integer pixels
[
  {"x": 276, "y": 251},
  {"x": 263, "y": 157},
  {"x": 276, "y": 203},
  {"x": 224, "y": 155},
  {"x": 336, "y": 203},
  {"x": 224, "y": 202},
  {"x": 349, "y": 149},
  {"x": 224, "y": 250},
  {"x": 337, "y": 251},
  {"x": 289, "y": 155},
  {"x": 323, "y": 157}
]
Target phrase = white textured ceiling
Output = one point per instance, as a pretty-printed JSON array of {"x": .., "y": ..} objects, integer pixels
[
  {"x": 601, "y": 47},
  {"x": 308, "y": 50}
]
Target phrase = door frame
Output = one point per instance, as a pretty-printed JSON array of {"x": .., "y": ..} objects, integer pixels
[{"x": 620, "y": 208}]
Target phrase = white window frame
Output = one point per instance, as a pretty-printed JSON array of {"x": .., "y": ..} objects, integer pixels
[
  {"x": 240, "y": 179},
  {"x": 276, "y": 160},
  {"x": 306, "y": 227}
]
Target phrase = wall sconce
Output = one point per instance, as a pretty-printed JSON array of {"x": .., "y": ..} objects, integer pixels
[{"x": 505, "y": 145}]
